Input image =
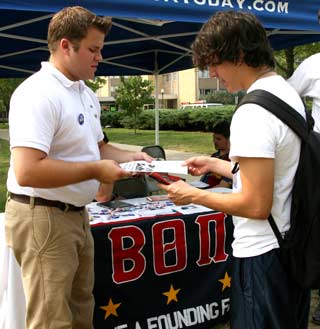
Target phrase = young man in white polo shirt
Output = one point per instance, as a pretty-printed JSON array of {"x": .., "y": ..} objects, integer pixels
[
  {"x": 58, "y": 159},
  {"x": 234, "y": 46}
]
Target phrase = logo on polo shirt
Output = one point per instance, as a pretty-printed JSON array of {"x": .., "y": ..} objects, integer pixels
[{"x": 81, "y": 119}]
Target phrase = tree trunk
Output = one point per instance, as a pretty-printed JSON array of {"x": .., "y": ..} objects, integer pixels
[{"x": 289, "y": 53}]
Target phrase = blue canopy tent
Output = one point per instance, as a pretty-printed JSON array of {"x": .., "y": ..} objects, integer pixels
[{"x": 148, "y": 36}]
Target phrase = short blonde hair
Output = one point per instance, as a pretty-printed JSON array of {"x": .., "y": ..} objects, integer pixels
[{"x": 73, "y": 23}]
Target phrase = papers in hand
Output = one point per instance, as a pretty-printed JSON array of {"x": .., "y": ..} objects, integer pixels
[{"x": 174, "y": 167}]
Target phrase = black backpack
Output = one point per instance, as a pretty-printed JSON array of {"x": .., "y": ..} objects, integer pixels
[{"x": 300, "y": 246}]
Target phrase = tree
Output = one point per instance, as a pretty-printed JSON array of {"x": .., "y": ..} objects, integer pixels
[
  {"x": 7, "y": 87},
  {"x": 288, "y": 59},
  {"x": 132, "y": 94},
  {"x": 95, "y": 84}
]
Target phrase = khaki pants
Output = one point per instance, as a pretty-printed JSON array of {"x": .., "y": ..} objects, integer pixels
[{"x": 55, "y": 251}]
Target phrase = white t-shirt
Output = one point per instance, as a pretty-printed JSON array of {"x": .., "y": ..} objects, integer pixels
[
  {"x": 257, "y": 133},
  {"x": 306, "y": 80},
  {"x": 60, "y": 117}
]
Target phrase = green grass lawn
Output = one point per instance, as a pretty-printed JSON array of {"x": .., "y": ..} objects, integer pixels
[
  {"x": 198, "y": 142},
  {"x": 4, "y": 165}
]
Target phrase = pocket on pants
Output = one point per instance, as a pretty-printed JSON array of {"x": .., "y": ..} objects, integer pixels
[
  {"x": 9, "y": 223},
  {"x": 42, "y": 228}
]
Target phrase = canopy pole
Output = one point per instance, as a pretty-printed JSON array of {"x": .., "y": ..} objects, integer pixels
[{"x": 156, "y": 109}]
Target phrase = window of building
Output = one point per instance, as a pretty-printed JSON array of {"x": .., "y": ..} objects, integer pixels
[
  {"x": 206, "y": 91},
  {"x": 204, "y": 74},
  {"x": 113, "y": 90}
]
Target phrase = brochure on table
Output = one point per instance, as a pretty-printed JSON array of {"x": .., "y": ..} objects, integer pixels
[{"x": 143, "y": 208}]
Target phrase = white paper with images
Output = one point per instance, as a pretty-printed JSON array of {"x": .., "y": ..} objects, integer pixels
[
  {"x": 140, "y": 208},
  {"x": 174, "y": 167}
]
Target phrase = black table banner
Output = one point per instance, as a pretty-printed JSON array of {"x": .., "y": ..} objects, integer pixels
[{"x": 163, "y": 273}]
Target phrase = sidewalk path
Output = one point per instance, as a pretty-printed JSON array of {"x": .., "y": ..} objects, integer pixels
[{"x": 4, "y": 134}]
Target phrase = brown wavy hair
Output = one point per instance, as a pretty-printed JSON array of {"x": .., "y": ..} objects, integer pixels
[{"x": 235, "y": 37}]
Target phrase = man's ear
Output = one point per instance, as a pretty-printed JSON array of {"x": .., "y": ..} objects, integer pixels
[{"x": 65, "y": 45}]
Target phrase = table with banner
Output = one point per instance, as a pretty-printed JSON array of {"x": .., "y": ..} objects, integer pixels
[{"x": 158, "y": 265}]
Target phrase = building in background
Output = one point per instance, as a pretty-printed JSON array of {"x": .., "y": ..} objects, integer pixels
[
  {"x": 175, "y": 89},
  {"x": 106, "y": 94}
]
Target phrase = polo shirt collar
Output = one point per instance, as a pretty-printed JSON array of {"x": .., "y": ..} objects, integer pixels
[{"x": 49, "y": 68}]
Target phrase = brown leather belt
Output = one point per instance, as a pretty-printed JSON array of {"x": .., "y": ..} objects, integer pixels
[{"x": 43, "y": 202}]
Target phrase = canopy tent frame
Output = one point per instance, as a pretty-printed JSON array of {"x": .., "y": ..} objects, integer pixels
[{"x": 148, "y": 36}]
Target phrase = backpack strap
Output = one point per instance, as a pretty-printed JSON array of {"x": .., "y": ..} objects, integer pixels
[
  {"x": 286, "y": 114},
  {"x": 275, "y": 230},
  {"x": 280, "y": 109}
]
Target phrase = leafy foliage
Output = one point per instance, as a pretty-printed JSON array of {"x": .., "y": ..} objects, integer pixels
[
  {"x": 223, "y": 97},
  {"x": 178, "y": 120},
  {"x": 7, "y": 87},
  {"x": 95, "y": 84},
  {"x": 132, "y": 94},
  {"x": 288, "y": 59}
]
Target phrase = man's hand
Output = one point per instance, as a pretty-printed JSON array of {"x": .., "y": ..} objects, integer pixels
[
  {"x": 108, "y": 171},
  {"x": 108, "y": 151},
  {"x": 180, "y": 193},
  {"x": 198, "y": 166},
  {"x": 201, "y": 165},
  {"x": 142, "y": 156},
  {"x": 104, "y": 193}
]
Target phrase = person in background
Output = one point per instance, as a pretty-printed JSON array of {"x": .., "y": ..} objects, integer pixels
[
  {"x": 306, "y": 81},
  {"x": 264, "y": 155},
  {"x": 221, "y": 141},
  {"x": 58, "y": 158}
]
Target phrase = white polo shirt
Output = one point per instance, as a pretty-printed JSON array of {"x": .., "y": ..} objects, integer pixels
[{"x": 61, "y": 118}]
